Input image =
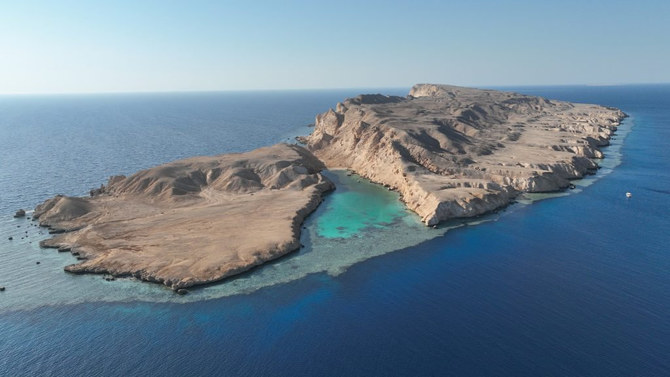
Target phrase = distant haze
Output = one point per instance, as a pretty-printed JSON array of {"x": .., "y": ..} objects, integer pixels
[{"x": 127, "y": 46}]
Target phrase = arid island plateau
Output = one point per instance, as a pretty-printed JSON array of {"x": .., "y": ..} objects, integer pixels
[{"x": 450, "y": 152}]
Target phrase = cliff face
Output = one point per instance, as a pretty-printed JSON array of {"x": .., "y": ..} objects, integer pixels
[
  {"x": 460, "y": 152},
  {"x": 192, "y": 221}
]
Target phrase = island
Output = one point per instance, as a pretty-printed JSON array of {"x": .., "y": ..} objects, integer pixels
[
  {"x": 454, "y": 152},
  {"x": 192, "y": 221},
  {"x": 450, "y": 152}
]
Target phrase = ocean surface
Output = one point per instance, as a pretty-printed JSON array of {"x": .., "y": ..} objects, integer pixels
[{"x": 577, "y": 284}]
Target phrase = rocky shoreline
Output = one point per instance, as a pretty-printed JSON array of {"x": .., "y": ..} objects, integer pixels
[{"x": 450, "y": 152}]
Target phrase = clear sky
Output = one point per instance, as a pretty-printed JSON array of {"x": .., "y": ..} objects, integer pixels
[{"x": 120, "y": 46}]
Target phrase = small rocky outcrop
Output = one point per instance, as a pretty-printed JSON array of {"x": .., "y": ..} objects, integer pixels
[
  {"x": 97, "y": 191},
  {"x": 20, "y": 213}
]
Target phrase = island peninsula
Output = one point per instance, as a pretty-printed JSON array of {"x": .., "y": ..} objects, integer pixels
[{"x": 449, "y": 151}]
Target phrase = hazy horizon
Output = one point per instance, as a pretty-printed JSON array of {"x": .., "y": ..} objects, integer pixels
[
  {"x": 195, "y": 91},
  {"x": 125, "y": 47}
]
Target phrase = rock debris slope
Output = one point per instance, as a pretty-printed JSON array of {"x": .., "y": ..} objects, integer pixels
[{"x": 459, "y": 152}]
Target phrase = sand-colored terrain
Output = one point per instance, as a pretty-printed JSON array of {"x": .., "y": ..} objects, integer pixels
[
  {"x": 449, "y": 151},
  {"x": 192, "y": 221},
  {"x": 459, "y": 152}
]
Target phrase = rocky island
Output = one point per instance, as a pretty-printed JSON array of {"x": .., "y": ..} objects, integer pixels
[
  {"x": 449, "y": 151},
  {"x": 193, "y": 221},
  {"x": 459, "y": 152}
]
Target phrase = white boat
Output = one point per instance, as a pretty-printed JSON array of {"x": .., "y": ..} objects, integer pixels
[{"x": 628, "y": 195}]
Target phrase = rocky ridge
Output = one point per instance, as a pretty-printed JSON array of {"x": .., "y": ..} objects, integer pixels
[
  {"x": 459, "y": 152},
  {"x": 193, "y": 221}
]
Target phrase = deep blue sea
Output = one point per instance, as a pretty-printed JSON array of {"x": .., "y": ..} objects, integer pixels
[{"x": 577, "y": 285}]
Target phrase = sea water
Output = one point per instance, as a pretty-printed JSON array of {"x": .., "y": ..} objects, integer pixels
[{"x": 576, "y": 285}]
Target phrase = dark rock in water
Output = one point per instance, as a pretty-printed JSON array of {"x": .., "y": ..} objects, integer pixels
[
  {"x": 98, "y": 191},
  {"x": 182, "y": 291},
  {"x": 2, "y": 289},
  {"x": 10, "y": 238},
  {"x": 572, "y": 186},
  {"x": 37, "y": 262},
  {"x": 20, "y": 213},
  {"x": 109, "y": 277}
]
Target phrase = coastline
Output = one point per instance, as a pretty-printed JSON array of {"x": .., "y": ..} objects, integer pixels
[
  {"x": 462, "y": 192},
  {"x": 441, "y": 148},
  {"x": 313, "y": 259}
]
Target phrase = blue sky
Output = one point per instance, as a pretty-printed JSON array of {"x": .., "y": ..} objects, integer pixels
[{"x": 126, "y": 46}]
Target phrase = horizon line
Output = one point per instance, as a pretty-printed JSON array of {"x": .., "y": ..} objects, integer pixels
[{"x": 195, "y": 91}]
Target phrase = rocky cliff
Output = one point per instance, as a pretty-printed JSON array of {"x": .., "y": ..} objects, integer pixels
[{"x": 460, "y": 152}]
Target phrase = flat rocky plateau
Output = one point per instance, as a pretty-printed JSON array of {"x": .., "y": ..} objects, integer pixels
[
  {"x": 456, "y": 152},
  {"x": 449, "y": 151},
  {"x": 193, "y": 221}
]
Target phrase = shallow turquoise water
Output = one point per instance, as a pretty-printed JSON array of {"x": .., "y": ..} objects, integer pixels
[{"x": 357, "y": 207}]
